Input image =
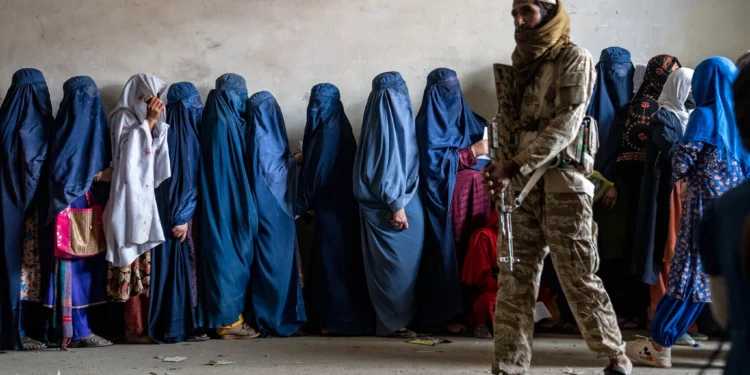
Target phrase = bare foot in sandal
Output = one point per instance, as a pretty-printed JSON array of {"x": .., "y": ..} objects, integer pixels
[
  {"x": 31, "y": 344},
  {"x": 92, "y": 341},
  {"x": 241, "y": 332},
  {"x": 198, "y": 338}
]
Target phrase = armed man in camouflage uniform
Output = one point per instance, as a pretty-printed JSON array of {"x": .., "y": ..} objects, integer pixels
[{"x": 552, "y": 83}]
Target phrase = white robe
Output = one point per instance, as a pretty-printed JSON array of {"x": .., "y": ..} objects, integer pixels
[{"x": 141, "y": 164}]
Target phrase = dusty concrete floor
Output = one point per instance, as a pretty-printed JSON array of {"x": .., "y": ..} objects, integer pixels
[{"x": 325, "y": 356}]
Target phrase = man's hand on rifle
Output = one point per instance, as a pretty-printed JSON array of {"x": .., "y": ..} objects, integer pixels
[{"x": 497, "y": 177}]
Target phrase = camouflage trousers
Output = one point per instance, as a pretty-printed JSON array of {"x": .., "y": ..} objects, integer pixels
[{"x": 559, "y": 224}]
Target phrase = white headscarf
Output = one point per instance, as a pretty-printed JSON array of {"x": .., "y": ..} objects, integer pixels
[
  {"x": 640, "y": 72},
  {"x": 675, "y": 92},
  {"x": 140, "y": 159}
]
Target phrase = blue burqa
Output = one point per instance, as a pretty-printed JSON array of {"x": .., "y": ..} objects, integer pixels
[
  {"x": 386, "y": 179},
  {"x": 277, "y": 294},
  {"x": 609, "y": 104},
  {"x": 25, "y": 119},
  {"x": 79, "y": 148},
  {"x": 171, "y": 312},
  {"x": 336, "y": 278},
  {"x": 445, "y": 124},
  {"x": 228, "y": 219}
]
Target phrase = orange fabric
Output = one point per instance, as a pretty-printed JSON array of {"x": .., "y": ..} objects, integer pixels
[
  {"x": 675, "y": 217},
  {"x": 136, "y": 317}
]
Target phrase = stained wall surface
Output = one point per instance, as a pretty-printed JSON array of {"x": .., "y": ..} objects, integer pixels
[{"x": 286, "y": 46}]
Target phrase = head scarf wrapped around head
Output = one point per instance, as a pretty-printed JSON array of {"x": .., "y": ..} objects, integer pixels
[
  {"x": 644, "y": 106},
  {"x": 713, "y": 120},
  {"x": 676, "y": 92},
  {"x": 533, "y": 46},
  {"x": 131, "y": 108},
  {"x": 79, "y": 144}
]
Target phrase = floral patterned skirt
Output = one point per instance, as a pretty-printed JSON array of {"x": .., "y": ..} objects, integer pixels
[
  {"x": 130, "y": 281},
  {"x": 31, "y": 277}
]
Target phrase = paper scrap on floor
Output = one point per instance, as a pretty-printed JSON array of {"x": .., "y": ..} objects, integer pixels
[{"x": 428, "y": 341}]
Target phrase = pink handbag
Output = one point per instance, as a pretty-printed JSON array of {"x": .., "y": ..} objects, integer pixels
[{"x": 79, "y": 232}]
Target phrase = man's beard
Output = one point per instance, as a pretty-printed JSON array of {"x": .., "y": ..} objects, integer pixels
[{"x": 523, "y": 28}]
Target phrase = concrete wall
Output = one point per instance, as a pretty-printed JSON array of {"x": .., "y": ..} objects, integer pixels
[{"x": 286, "y": 46}]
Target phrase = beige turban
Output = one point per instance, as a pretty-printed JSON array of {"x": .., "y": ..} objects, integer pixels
[{"x": 524, "y": 2}]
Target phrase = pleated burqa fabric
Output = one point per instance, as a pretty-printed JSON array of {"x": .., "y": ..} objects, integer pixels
[
  {"x": 338, "y": 291},
  {"x": 386, "y": 180},
  {"x": 172, "y": 315},
  {"x": 278, "y": 308},
  {"x": 445, "y": 124},
  {"x": 228, "y": 220},
  {"x": 79, "y": 148},
  {"x": 25, "y": 120}
]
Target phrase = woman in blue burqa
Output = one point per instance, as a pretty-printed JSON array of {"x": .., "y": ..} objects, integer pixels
[
  {"x": 610, "y": 101},
  {"x": 386, "y": 179},
  {"x": 336, "y": 280},
  {"x": 172, "y": 311},
  {"x": 25, "y": 120},
  {"x": 79, "y": 175},
  {"x": 445, "y": 124},
  {"x": 277, "y": 302},
  {"x": 227, "y": 212}
]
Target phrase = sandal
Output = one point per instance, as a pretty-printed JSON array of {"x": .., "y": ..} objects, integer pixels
[
  {"x": 31, "y": 344},
  {"x": 403, "y": 334},
  {"x": 482, "y": 332},
  {"x": 613, "y": 369},
  {"x": 197, "y": 338},
  {"x": 241, "y": 332},
  {"x": 92, "y": 341}
]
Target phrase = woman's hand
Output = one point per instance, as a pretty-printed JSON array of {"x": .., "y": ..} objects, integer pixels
[
  {"x": 399, "y": 221},
  {"x": 609, "y": 200},
  {"x": 103, "y": 175},
  {"x": 480, "y": 148},
  {"x": 180, "y": 231},
  {"x": 155, "y": 107}
]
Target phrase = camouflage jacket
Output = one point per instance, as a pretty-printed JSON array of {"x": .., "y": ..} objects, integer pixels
[{"x": 552, "y": 107}]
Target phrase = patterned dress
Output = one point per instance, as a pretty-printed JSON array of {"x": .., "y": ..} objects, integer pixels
[
  {"x": 708, "y": 177},
  {"x": 469, "y": 207},
  {"x": 31, "y": 278},
  {"x": 130, "y": 281}
]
